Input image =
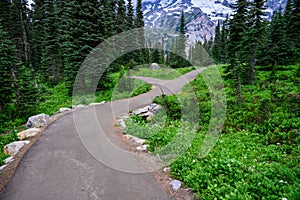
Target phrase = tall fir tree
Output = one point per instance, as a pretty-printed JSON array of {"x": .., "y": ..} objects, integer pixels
[
  {"x": 5, "y": 14},
  {"x": 224, "y": 41},
  {"x": 130, "y": 15},
  {"x": 37, "y": 34},
  {"x": 69, "y": 41},
  {"x": 108, "y": 18},
  {"x": 237, "y": 29},
  {"x": 19, "y": 25},
  {"x": 294, "y": 26},
  {"x": 139, "y": 19},
  {"x": 277, "y": 49},
  {"x": 50, "y": 61},
  {"x": 140, "y": 55},
  {"x": 253, "y": 38},
  {"x": 90, "y": 25},
  {"x": 216, "y": 48},
  {"x": 121, "y": 24},
  {"x": 180, "y": 59},
  {"x": 7, "y": 64}
]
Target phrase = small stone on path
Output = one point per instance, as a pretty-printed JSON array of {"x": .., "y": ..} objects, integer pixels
[
  {"x": 37, "y": 121},
  {"x": 8, "y": 160},
  {"x": 175, "y": 185},
  {"x": 28, "y": 133},
  {"x": 62, "y": 110},
  {"x": 142, "y": 148},
  {"x": 13, "y": 148}
]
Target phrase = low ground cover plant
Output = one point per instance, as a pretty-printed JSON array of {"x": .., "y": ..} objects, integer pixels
[{"x": 256, "y": 156}]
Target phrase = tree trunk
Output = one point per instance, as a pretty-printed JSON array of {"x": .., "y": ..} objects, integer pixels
[
  {"x": 16, "y": 86},
  {"x": 24, "y": 38}
]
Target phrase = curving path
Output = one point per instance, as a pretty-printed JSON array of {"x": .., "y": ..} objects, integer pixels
[{"x": 79, "y": 156}]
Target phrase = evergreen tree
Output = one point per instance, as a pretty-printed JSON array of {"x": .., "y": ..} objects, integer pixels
[
  {"x": 238, "y": 26},
  {"x": 254, "y": 36},
  {"x": 140, "y": 55},
  {"x": 294, "y": 27},
  {"x": 156, "y": 56},
  {"x": 180, "y": 60},
  {"x": 50, "y": 45},
  {"x": 69, "y": 33},
  {"x": 37, "y": 34},
  {"x": 5, "y": 14},
  {"x": 121, "y": 24},
  {"x": 90, "y": 25},
  {"x": 216, "y": 48},
  {"x": 7, "y": 64},
  {"x": 277, "y": 49},
  {"x": 18, "y": 28},
  {"x": 224, "y": 41},
  {"x": 139, "y": 19},
  {"x": 182, "y": 39},
  {"x": 130, "y": 15},
  {"x": 108, "y": 18},
  {"x": 237, "y": 30}
]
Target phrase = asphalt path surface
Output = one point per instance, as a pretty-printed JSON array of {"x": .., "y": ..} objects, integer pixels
[{"x": 79, "y": 156}]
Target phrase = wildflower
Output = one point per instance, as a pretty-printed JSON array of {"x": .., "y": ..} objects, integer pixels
[
  {"x": 284, "y": 199},
  {"x": 281, "y": 181},
  {"x": 255, "y": 160},
  {"x": 278, "y": 144},
  {"x": 228, "y": 165},
  {"x": 251, "y": 168},
  {"x": 245, "y": 157}
]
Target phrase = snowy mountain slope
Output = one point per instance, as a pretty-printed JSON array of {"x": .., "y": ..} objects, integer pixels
[
  {"x": 201, "y": 15},
  {"x": 166, "y": 14}
]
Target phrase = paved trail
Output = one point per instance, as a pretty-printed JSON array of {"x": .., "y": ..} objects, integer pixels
[{"x": 75, "y": 158}]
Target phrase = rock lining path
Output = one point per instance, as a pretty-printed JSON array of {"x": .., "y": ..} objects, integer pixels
[{"x": 59, "y": 166}]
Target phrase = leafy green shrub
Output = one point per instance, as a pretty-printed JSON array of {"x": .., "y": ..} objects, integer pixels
[
  {"x": 141, "y": 89},
  {"x": 137, "y": 119},
  {"x": 171, "y": 105},
  {"x": 4, "y": 140},
  {"x": 162, "y": 73},
  {"x": 57, "y": 98},
  {"x": 138, "y": 87},
  {"x": 257, "y": 155}
]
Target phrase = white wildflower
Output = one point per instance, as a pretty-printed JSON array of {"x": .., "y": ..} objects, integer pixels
[
  {"x": 281, "y": 181},
  {"x": 228, "y": 165},
  {"x": 284, "y": 199},
  {"x": 251, "y": 168}
]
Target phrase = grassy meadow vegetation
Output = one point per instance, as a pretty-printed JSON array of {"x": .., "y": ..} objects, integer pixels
[
  {"x": 256, "y": 156},
  {"x": 164, "y": 73}
]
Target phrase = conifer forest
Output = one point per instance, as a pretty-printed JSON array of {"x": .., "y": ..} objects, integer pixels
[{"x": 43, "y": 45}]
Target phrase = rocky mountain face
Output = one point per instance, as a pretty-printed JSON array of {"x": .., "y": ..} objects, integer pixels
[{"x": 201, "y": 16}]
